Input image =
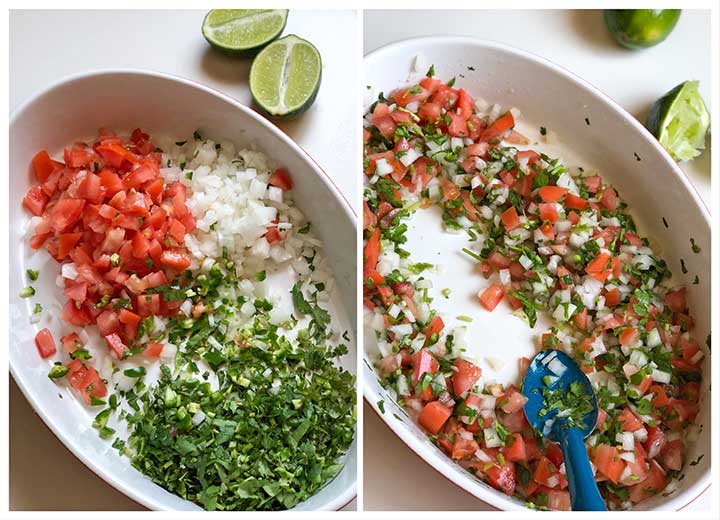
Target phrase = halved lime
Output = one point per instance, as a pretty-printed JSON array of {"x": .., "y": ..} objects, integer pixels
[
  {"x": 680, "y": 121},
  {"x": 243, "y": 31},
  {"x": 285, "y": 76},
  {"x": 640, "y": 28}
]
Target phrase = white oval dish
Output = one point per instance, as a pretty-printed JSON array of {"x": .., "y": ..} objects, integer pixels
[
  {"x": 615, "y": 143},
  {"x": 125, "y": 99}
]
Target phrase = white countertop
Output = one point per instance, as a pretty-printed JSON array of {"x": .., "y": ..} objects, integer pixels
[
  {"x": 46, "y": 46},
  {"x": 578, "y": 41}
]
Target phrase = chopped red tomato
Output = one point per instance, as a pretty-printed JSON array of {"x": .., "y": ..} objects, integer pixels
[
  {"x": 281, "y": 179},
  {"x": 45, "y": 343},
  {"x": 433, "y": 416},
  {"x": 491, "y": 296},
  {"x": 465, "y": 375}
]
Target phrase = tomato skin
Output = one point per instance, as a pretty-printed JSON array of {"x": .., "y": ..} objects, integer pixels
[
  {"x": 499, "y": 127},
  {"x": 510, "y": 219},
  {"x": 429, "y": 111},
  {"x": 548, "y": 212},
  {"x": 629, "y": 421},
  {"x": 503, "y": 477},
  {"x": 652, "y": 485},
  {"x": 559, "y": 500},
  {"x": 512, "y": 401},
  {"x": 515, "y": 451},
  {"x": 423, "y": 362},
  {"x": 45, "y": 343},
  {"x": 371, "y": 252},
  {"x": 281, "y": 179},
  {"x": 491, "y": 296},
  {"x": 153, "y": 350},
  {"x": 148, "y": 304},
  {"x": 608, "y": 462},
  {"x": 677, "y": 300},
  {"x": 43, "y": 166},
  {"x": 65, "y": 213},
  {"x": 71, "y": 342},
  {"x": 35, "y": 201},
  {"x": 609, "y": 198},
  {"x": 465, "y": 377},
  {"x": 175, "y": 259},
  {"x": 433, "y": 416},
  {"x": 551, "y": 193},
  {"x": 116, "y": 345},
  {"x": 574, "y": 202}
]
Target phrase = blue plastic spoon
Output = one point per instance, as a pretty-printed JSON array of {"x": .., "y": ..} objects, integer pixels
[{"x": 547, "y": 367}]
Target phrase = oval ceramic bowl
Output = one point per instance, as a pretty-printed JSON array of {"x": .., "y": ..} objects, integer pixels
[
  {"x": 158, "y": 103},
  {"x": 593, "y": 129}
]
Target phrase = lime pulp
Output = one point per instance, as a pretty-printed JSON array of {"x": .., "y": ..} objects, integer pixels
[
  {"x": 285, "y": 76},
  {"x": 243, "y": 31}
]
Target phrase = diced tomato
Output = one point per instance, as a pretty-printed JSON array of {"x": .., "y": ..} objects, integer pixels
[
  {"x": 609, "y": 198},
  {"x": 612, "y": 297},
  {"x": 35, "y": 201},
  {"x": 433, "y": 416},
  {"x": 514, "y": 449},
  {"x": 598, "y": 267},
  {"x": 148, "y": 304},
  {"x": 510, "y": 219},
  {"x": 677, "y": 300},
  {"x": 629, "y": 336},
  {"x": 466, "y": 374},
  {"x": 551, "y": 193},
  {"x": 574, "y": 202},
  {"x": 176, "y": 260},
  {"x": 559, "y": 500},
  {"x": 608, "y": 462},
  {"x": 503, "y": 477},
  {"x": 423, "y": 363},
  {"x": 628, "y": 421},
  {"x": 281, "y": 179},
  {"x": 546, "y": 473},
  {"x": 655, "y": 441},
  {"x": 107, "y": 322},
  {"x": 652, "y": 485},
  {"x": 43, "y": 166},
  {"x": 45, "y": 343},
  {"x": 71, "y": 342},
  {"x": 153, "y": 350},
  {"x": 491, "y": 296},
  {"x": 65, "y": 213},
  {"x": 458, "y": 125},
  {"x": 512, "y": 400},
  {"x": 498, "y": 128},
  {"x": 116, "y": 345},
  {"x": 371, "y": 252},
  {"x": 548, "y": 212},
  {"x": 429, "y": 111}
]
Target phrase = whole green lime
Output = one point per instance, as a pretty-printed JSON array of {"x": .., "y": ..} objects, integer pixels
[{"x": 640, "y": 28}]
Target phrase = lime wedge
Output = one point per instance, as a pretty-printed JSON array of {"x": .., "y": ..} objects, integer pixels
[
  {"x": 243, "y": 31},
  {"x": 680, "y": 121},
  {"x": 285, "y": 77},
  {"x": 640, "y": 28}
]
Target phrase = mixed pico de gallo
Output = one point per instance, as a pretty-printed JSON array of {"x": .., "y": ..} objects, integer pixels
[
  {"x": 250, "y": 410},
  {"x": 545, "y": 238}
]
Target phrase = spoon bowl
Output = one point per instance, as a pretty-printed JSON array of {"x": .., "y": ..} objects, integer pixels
[{"x": 552, "y": 371}]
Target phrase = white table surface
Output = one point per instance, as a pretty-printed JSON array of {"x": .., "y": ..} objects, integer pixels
[
  {"x": 578, "y": 41},
  {"x": 168, "y": 41}
]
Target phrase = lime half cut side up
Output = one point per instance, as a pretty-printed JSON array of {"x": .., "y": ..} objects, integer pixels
[
  {"x": 680, "y": 121},
  {"x": 243, "y": 31},
  {"x": 285, "y": 77}
]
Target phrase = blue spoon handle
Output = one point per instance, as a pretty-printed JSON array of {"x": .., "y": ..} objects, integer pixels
[{"x": 584, "y": 493}]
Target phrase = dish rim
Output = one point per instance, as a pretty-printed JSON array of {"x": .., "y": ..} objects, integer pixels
[
  {"x": 350, "y": 493},
  {"x": 370, "y": 396}
]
